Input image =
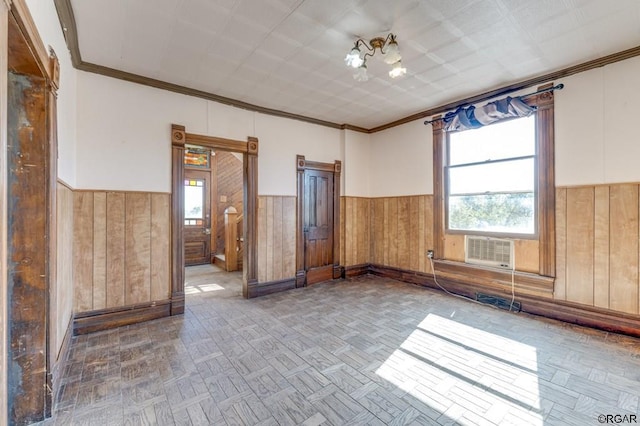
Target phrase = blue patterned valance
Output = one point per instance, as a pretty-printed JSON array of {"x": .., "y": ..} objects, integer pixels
[{"x": 473, "y": 117}]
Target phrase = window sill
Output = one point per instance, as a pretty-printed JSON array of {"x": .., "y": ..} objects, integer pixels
[{"x": 496, "y": 279}]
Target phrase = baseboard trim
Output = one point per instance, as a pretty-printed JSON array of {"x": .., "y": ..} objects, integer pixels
[
  {"x": 105, "y": 319},
  {"x": 270, "y": 287},
  {"x": 598, "y": 318},
  {"x": 356, "y": 270}
]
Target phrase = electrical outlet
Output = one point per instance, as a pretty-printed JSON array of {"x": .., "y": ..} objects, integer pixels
[{"x": 430, "y": 254}]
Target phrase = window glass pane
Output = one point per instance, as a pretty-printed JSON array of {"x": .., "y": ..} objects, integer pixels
[
  {"x": 512, "y": 213},
  {"x": 193, "y": 202},
  {"x": 507, "y": 176},
  {"x": 508, "y": 139},
  {"x": 196, "y": 157}
]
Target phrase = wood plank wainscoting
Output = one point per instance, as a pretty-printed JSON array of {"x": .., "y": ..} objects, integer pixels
[
  {"x": 121, "y": 248},
  {"x": 276, "y": 244},
  {"x": 61, "y": 292},
  {"x": 597, "y": 281}
]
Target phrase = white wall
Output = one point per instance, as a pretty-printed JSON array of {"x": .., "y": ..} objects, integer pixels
[
  {"x": 46, "y": 19},
  {"x": 402, "y": 160},
  {"x": 124, "y": 133},
  {"x": 281, "y": 140},
  {"x": 356, "y": 169},
  {"x": 124, "y": 137},
  {"x": 595, "y": 115}
]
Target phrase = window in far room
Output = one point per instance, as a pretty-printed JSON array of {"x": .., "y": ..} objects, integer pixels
[{"x": 491, "y": 179}]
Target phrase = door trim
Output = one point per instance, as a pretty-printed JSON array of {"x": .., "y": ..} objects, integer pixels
[
  {"x": 336, "y": 168},
  {"x": 249, "y": 151}
]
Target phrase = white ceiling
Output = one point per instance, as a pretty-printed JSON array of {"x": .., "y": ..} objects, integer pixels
[{"x": 288, "y": 55}]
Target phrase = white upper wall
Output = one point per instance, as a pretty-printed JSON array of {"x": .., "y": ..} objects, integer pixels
[
  {"x": 596, "y": 140},
  {"x": 46, "y": 19},
  {"x": 402, "y": 160},
  {"x": 124, "y": 133},
  {"x": 124, "y": 137},
  {"x": 356, "y": 169},
  {"x": 281, "y": 140}
]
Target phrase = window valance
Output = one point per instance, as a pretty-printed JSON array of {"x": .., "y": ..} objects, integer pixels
[{"x": 473, "y": 117}]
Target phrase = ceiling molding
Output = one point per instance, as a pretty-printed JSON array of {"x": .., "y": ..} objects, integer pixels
[
  {"x": 524, "y": 84},
  {"x": 68, "y": 24}
]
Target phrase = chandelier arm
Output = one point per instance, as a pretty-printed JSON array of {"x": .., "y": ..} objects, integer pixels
[{"x": 365, "y": 44}]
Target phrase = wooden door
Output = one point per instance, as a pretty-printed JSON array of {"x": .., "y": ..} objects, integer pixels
[
  {"x": 318, "y": 211},
  {"x": 318, "y": 225},
  {"x": 197, "y": 217}
]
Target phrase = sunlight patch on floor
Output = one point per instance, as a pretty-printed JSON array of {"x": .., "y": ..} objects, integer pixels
[
  {"x": 202, "y": 288},
  {"x": 467, "y": 374}
]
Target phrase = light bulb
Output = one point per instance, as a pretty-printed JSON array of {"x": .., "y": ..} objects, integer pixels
[
  {"x": 392, "y": 54},
  {"x": 361, "y": 73},
  {"x": 353, "y": 58},
  {"x": 397, "y": 70}
]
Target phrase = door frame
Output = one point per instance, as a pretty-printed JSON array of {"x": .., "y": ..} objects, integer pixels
[
  {"x": 249, "y": 151},
  {"x": 336, "y": 168}
]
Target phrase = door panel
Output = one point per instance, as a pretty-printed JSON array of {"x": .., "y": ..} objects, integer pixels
[
  {"x": 197, "y": 217},
  {"x": 318, "y": 225}
]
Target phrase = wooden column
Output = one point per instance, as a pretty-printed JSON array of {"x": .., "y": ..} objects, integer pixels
[
  {"x": 250, "y": 217},
  {"x": 301, "y": 275},
  {"x": 439, "y": 141},
  {"x": 177, "y": 219},
  {"x": 230, "y": 239},
  {"x": 546, "y": 180},
  {"x": 337, "y": 269},
  {"x": 4, "y": 305}
]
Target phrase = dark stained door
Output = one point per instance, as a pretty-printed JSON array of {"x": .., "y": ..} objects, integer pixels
[
  {"x": 318, "y": 225},
  {"x": 197, "y": 217}
]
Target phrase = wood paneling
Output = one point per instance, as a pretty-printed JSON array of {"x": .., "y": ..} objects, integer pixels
[
  {"x": 83, "y": 251},
  {"x": 560, "y": 286},
  {"x": 623, "y": 246},
  {"x": 160, "y": 250},
  {"x": 597, "y": 240},
  {"x": 115, "y": 250},
  {"x": 137, "y": 247},
  {"x": 355, "y": 231},
  {"x": 99, "y": 250},
  {"x": 62, "y": 295},
  {"x": 601, "y": 247},
  {"x": 121, "y": 249},
  {"x": 228, "y": 187},
  {"x": 401, "y": 231},
  {"x": 276, "y": 238},
  {"x": 579, "y": 264}
]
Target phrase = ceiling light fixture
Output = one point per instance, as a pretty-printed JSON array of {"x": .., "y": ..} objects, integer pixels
[{"x": 388, "y": 47}]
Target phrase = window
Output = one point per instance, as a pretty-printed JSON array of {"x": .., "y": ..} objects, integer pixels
[
  {"x": 544, "y": 182},
  {"x": 490, "y": 179}
]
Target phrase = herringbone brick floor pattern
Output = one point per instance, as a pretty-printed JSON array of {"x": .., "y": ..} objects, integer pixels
[{"x": 365, "y": 351}]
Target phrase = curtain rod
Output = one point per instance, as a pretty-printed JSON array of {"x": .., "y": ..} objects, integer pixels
[{"x": 548, "y": 89}]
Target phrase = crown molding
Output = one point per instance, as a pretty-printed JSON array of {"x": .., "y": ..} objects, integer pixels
[{"x": 68, "y": 23}]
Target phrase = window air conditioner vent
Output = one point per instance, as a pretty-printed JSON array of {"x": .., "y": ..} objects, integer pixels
[{"x": 488, "y": 251}]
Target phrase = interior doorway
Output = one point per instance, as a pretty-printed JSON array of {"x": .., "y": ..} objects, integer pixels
[
  {"x": 248, "y": 151},
  {"x": 213, "y": 208}
]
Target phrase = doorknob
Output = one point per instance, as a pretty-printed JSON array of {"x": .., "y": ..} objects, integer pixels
[{"x": 206, "y": 231}]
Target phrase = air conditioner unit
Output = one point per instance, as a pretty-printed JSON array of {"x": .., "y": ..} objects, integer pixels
[{"x": 488, "y": 251}]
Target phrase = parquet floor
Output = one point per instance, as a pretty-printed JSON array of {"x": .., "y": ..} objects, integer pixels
[{"x": 367, "y": 351}]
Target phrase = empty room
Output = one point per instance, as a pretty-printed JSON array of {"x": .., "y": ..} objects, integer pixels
[{"x": 319, "y": 212}]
